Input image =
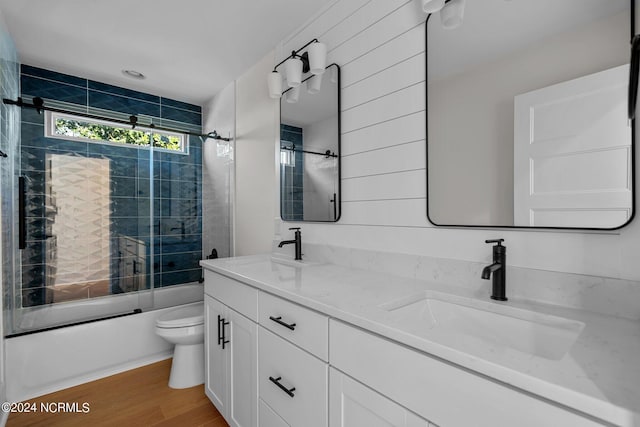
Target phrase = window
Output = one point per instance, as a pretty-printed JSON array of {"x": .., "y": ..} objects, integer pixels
[
  {"x": 287, "y": 157},
  {"x": 67, "y": 126}
]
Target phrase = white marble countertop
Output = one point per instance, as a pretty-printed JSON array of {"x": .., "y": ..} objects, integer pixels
[{"x": 599, "y": 375}]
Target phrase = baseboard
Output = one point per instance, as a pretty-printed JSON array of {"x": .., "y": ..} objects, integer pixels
[
  {"x": 4, "y": 416},
  {"x": 72, "y": 382}
]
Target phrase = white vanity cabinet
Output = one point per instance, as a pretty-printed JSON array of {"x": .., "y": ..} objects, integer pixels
[
  {"x": 288, "y": 365},
  {"x": 231, "y": 338},
  {"x": 438, "y": 391}
]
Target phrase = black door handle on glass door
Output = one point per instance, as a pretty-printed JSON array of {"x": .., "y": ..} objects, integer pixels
[{"x": 22, "y": 213}]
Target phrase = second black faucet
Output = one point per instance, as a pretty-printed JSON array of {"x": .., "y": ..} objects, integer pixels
[
  {"x": 498, "y": 269},
  {"x": 297, "y": 240}
]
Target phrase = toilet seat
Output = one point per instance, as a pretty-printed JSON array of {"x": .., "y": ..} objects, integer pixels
[{"x": 188, "y": 316}]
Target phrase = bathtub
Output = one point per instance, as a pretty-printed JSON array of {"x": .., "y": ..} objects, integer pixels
[
  {"x": 55, "y": 359},
  {"x": 51, "y": 315}
]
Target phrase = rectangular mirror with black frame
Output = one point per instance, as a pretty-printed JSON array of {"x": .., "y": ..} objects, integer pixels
[
  {"x": 310, "y": 149},
  {"x": 527, "y": 114}
]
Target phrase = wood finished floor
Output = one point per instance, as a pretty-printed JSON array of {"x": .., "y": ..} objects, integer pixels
[{"x": 140, "y": 397}]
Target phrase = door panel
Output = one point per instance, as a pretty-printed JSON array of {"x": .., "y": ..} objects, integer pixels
[
  {"x": 354, "y": 405},
  {"x": 570, "y": 140},
  {"x": 215, "y": 357},
  {"x": 243, "y": 370}
]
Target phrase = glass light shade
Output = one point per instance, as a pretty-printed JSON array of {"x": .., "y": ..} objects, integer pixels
[
  {"x": 314, "y": 84},
  {"x": 292, "y": 95},
  {"x": 432, "y": 6},
  {"x": 317, "y": 57},
  {"x": 275, "y": 84},
  {"x": 452, "y": 14},
  {"x": 294, "y": 71}
]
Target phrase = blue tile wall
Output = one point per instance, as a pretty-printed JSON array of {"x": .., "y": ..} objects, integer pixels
[
  {"x": 28, "y": 70},
  {"x": 183, "y": 116},
  {"x": 176, "y": 178},
  {"x": 122, "y": 104},
  {"x": 291, "y": 191},
  {"x": 181, "y": 105},
  {"x": 48, "y": 89},
  {"x": 115, "y": 90},
  {"x": 52, "y": 85}
]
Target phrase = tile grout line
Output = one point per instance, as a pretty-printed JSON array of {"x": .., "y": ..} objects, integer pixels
[{"x": 87, "y": 88}]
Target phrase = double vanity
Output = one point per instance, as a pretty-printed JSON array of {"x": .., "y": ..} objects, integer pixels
[
  {"x": 303, "y": 343},
  {"x": 516, "y": 115}
]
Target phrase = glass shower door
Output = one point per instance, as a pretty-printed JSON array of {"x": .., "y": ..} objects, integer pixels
[
  {"x": 88, "y": 215},
  {"x": 9, "y": 168}
]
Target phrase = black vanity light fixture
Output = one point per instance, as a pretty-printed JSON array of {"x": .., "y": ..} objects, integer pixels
[
  {"x": 313, "y": 60},
  {"x": 451, "y": 11}
]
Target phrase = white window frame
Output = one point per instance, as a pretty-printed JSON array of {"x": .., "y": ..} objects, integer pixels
[
  {"x": 287, "y": 158},
  {"x": 50, "y": 132}
]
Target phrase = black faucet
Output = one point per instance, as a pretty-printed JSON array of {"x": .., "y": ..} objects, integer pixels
[
  {"x": 498, "y": 269},
  {"x": 297, "y": 241}
]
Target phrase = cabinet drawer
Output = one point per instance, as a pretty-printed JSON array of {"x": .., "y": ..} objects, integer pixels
[
  {"x": 304, "y": 376},
  {"x": 303, "y": 327},
  {"x": 240, "y": 297},
  {"x": 435, "y": 390},
  {"x": 268, "y": 418}
]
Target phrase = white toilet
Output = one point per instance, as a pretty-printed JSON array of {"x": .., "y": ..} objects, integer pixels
[{"x": 184, "y": 327}]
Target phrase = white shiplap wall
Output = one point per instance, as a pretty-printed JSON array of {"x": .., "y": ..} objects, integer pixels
[{"x": 380, "y": 46}]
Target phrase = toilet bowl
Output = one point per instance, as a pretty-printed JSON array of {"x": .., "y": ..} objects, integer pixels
[{"x": 184, "y": 327}]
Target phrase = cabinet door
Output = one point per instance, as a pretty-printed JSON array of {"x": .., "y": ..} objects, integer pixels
[
  {"x": 352, "y": 404},
  {"x": 242, "y": 349},
  {"x": 268, "y": 418},
  {"x": 215, "y": 357}
]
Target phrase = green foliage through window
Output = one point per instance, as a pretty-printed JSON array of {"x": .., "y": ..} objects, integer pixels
[{"x": 103, "y": 132}]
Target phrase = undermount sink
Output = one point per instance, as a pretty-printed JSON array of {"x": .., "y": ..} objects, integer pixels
[
  {"x": 291, "y": 262},
  {"x": 454, "y": 318}
]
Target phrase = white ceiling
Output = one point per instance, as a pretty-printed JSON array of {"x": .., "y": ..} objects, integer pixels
[{"x": 187, "y": 49}]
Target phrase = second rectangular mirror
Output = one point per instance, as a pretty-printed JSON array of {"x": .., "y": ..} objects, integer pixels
[
  {"x": 527, "y": 114},
  {"x": 310, "y": 149}
]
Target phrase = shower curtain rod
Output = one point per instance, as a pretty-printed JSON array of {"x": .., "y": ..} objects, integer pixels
[
  {"x": 327, "y": 153},
  {"x": 38, "y": 105}
]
